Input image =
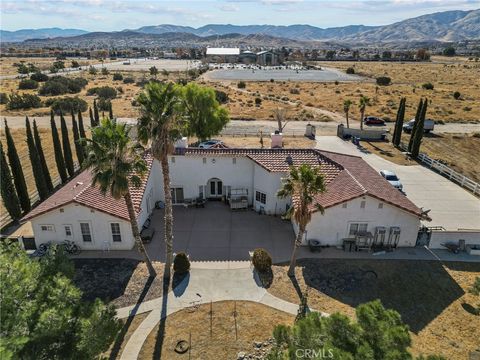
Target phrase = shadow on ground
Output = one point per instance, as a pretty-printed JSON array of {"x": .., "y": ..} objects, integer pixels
[{"x": 419, "y": 291}]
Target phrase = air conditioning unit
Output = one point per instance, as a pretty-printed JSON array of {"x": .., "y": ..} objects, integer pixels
[
  {"x": 393, "y": 236},
  {"x": 379, "y": 237}
]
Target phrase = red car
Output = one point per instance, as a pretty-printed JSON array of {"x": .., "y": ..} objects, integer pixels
[{"x": 373, "y": 120}]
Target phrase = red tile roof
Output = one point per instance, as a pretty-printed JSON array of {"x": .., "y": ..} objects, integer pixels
[{"x": 80, "y": 190}]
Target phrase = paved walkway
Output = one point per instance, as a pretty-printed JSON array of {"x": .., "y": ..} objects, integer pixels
[
  {"x": 451, "y": 206},
  {"x": 199, "y": 287}
]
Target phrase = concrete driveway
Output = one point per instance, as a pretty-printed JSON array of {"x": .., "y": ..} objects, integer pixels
[
  {"x": 451, "y": 206},
  {"x": 215, "y": 233}
]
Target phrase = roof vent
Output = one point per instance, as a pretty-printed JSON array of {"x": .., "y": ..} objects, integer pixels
[
  {"x": 77, "y": 184},
  {"x": 289, "y": 160}
]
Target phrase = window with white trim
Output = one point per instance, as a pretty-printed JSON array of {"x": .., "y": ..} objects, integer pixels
[
  {"x": 47, "y": 227},
  {"x": 356, "y": 228},
  {"x": 260, "y": 197},
  {"x": 380, "y": 205},
  {"x": 68, "y": 231},
  {"x": 344, "y": 205},
  {"x": 116, "y": 236},
  {"x": 86, "y": 232},
  {"x": 362, "y": 204}
]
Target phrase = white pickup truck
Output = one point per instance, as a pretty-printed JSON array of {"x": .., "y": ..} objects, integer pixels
[{"x": 427, "y": 127}]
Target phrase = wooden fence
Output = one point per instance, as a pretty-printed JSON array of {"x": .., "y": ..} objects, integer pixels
[{"x": 448, "y": 172}]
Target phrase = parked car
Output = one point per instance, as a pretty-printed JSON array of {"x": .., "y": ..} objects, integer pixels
[
  {"x": 373, "y": 120},
  {"x": 427, "y": 126},
  {"x": 208, "y": 144},
  {"x": 392, "y": 178}
]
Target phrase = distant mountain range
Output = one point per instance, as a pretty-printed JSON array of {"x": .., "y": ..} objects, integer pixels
[{"x": 442, "y": 26}]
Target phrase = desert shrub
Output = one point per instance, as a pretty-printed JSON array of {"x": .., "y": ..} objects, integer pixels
[
  {"x": 294, "y": 91},
  {"x": 383, "y": 80},
  {"x": 105, "y": 71},
  {"x": 59, "y": 85},
  {"x": 117, "y": 77},
  {"x": 221, "y": 96},
  {"x": 258, "y": 101},
  {"x": 128, "y": 80},
  {"x": 476, "y": 135},
  {"x": 272, "y": 80},
  {"x": 456, "y": 95},
  {"x": 75, "y": 64},
  {"x": 467, "y": 108},
  {"x": 350, "y": 70},
  {"x": 38, "y": 76},
  {"x": 3, "y": 98},
  {"x": 336, "y": 82},
  {"x": 103, "y": 104},
  {"x": 427, "y": 86},
  {"x": 105, "y": 92},
  {"x": 181, "y": 264},
  {"x": 261, "y": 260},
  {"x": 27, "y": 84},
  {"x": 120, "y": 89},
  {"x": 67, "y": 104},
  {"x": 241, "y": 85},
  {"x": 25, "y": 101},
  {"x": 92, "y": 70}
]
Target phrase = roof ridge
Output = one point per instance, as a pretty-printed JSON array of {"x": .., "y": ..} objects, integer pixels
[
  {"x": 365, "y": 191},
  {"x": 83, "y": 190}
]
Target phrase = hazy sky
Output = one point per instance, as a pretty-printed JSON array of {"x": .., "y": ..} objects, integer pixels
[{"x": 108, "y": 15}]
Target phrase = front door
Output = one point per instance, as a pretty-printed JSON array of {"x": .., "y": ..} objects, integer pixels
[
  {"x": 177, "y": 195},
  {"x": 216, "y": 188},
  {"x": 423, "y": 237}
]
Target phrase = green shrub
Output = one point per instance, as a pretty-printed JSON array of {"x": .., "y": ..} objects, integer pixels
[
  {"x": 427, "y": 86},
  {"x": 103, "y": 104},
  {"x": 25, "y": 101},
  {"x": 272, "y": 80},
  {"x": 3, "y": 98},
  {"x": 92, "y": 70},
  {"x": 221, "y": 96},
  {"x": 38, "y": 76},
  {"x": 241, "y": 85},
  {"x": 294, "y": 91},
  {"x": 117, "y": 77},
  {"x": 128, "y": 80},
  {"x": 105, "y": 92},
  {"x": 181, "y": 263},
  {"x": 350, "y": 70},
  {"x": 59, "y": 85},
  {"x": 262, "y": 261},
  {"x": 258, "y": 101},
  {"x": 26, "y": 84},
  {"x": 383, "y": 80},
  {"x": 456, "y": 95},
  {"x": 105, "y": 71},
  {"x": 67, "y": 104}
]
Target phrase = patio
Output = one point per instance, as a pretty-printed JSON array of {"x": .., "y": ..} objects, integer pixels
[{"x": 215, "y": 233}]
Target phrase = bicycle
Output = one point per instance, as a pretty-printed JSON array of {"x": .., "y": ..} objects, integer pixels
[{"x": 70, "y": 247}]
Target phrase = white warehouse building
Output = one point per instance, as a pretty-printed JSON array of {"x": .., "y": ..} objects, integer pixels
[{"x": 357, "y": 200}]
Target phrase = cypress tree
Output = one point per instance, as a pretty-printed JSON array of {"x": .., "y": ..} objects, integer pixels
[
  {"x": 397, "y": 135},
  {"x": 36, "y": 165},
  {"x": 76, "y": 140},
  {"x": 417, "y": 141},
  {"x": 7, "y": 189},
  {"x": 92, "y": 119},
  {"x": 17, "y": 172},
  {"x": 41, "y": 156},
  {"x": 415, "y": 124},
  {"x": 60, "y": 161},
  {"x": 110, "y": 110},
  {"x": 95, "y": 112},
  {"x": 81, "y": 128},
  {"x": 67, "y": 150}
]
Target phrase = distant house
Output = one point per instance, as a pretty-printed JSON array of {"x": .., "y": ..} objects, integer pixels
[
  {"x": 247, "y": 57},
  {"x": 357, "y": 200},
  {"x": 222, "y": 55},
  {"x": 267, "y": 58}
]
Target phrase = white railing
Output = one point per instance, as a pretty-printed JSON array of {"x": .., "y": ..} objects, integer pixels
[{"x": 448, "y": 172}]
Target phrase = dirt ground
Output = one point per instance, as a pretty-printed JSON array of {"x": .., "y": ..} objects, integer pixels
[
  {"x": 254, "y": 141},
  {"x": 121, "y": 282},
  {"x": 431, "y": 298},
  {"x": 43, "y": 63},
  {"x": 235, "y": 328}
]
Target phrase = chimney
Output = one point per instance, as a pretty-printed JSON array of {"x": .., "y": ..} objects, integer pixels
[{"x": 277, "y": 140}]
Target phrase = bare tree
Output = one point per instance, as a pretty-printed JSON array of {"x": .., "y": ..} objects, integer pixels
[{"x": 280, "y": 114}]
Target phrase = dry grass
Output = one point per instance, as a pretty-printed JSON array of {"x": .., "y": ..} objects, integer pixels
[
  {"x": 387, "y": 151},
  {"x": 255, "y": 322},
  {"x": 43, "y": 63},
  {"x": 428, "y": 295},
  {"x": 254, "y": 141}
]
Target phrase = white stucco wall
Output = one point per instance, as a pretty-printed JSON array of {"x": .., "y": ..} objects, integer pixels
[
  {"x": 334, "y": 225},
  {"x": 153, "y": 193},
  {"x": 441, "y": 237},
  {"x": 269, "y": 183},
  {"x": 73, "y": 214}
]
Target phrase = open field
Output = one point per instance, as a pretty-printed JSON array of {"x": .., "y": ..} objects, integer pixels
[
  {"x": 431, "y": 297},
  {"x": 254, "y": 322}
]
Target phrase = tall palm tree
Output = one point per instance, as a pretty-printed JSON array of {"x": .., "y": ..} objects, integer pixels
[
  {"x": 159, "y": 126},
  {"x": 346, "y": 108},
  {"x": 302, "y": 184},
  {"x": 116, "y": 164},
  {"x": 364, "y": 102}
]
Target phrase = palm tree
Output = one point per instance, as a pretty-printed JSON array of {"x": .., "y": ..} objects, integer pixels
[
  {"x": 303, "y": 183},
  {"x": 346, "y": 108},
  {"x": 117, "y": 165},
  {"x": 158, "y": 124},
  {"x": 364, "y": 102}
]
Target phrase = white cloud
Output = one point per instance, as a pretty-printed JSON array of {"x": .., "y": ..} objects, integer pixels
[{"x": 229, "y": 8}]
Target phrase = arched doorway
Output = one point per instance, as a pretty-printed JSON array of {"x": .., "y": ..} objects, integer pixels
[{"x": 214, "y": 188}]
